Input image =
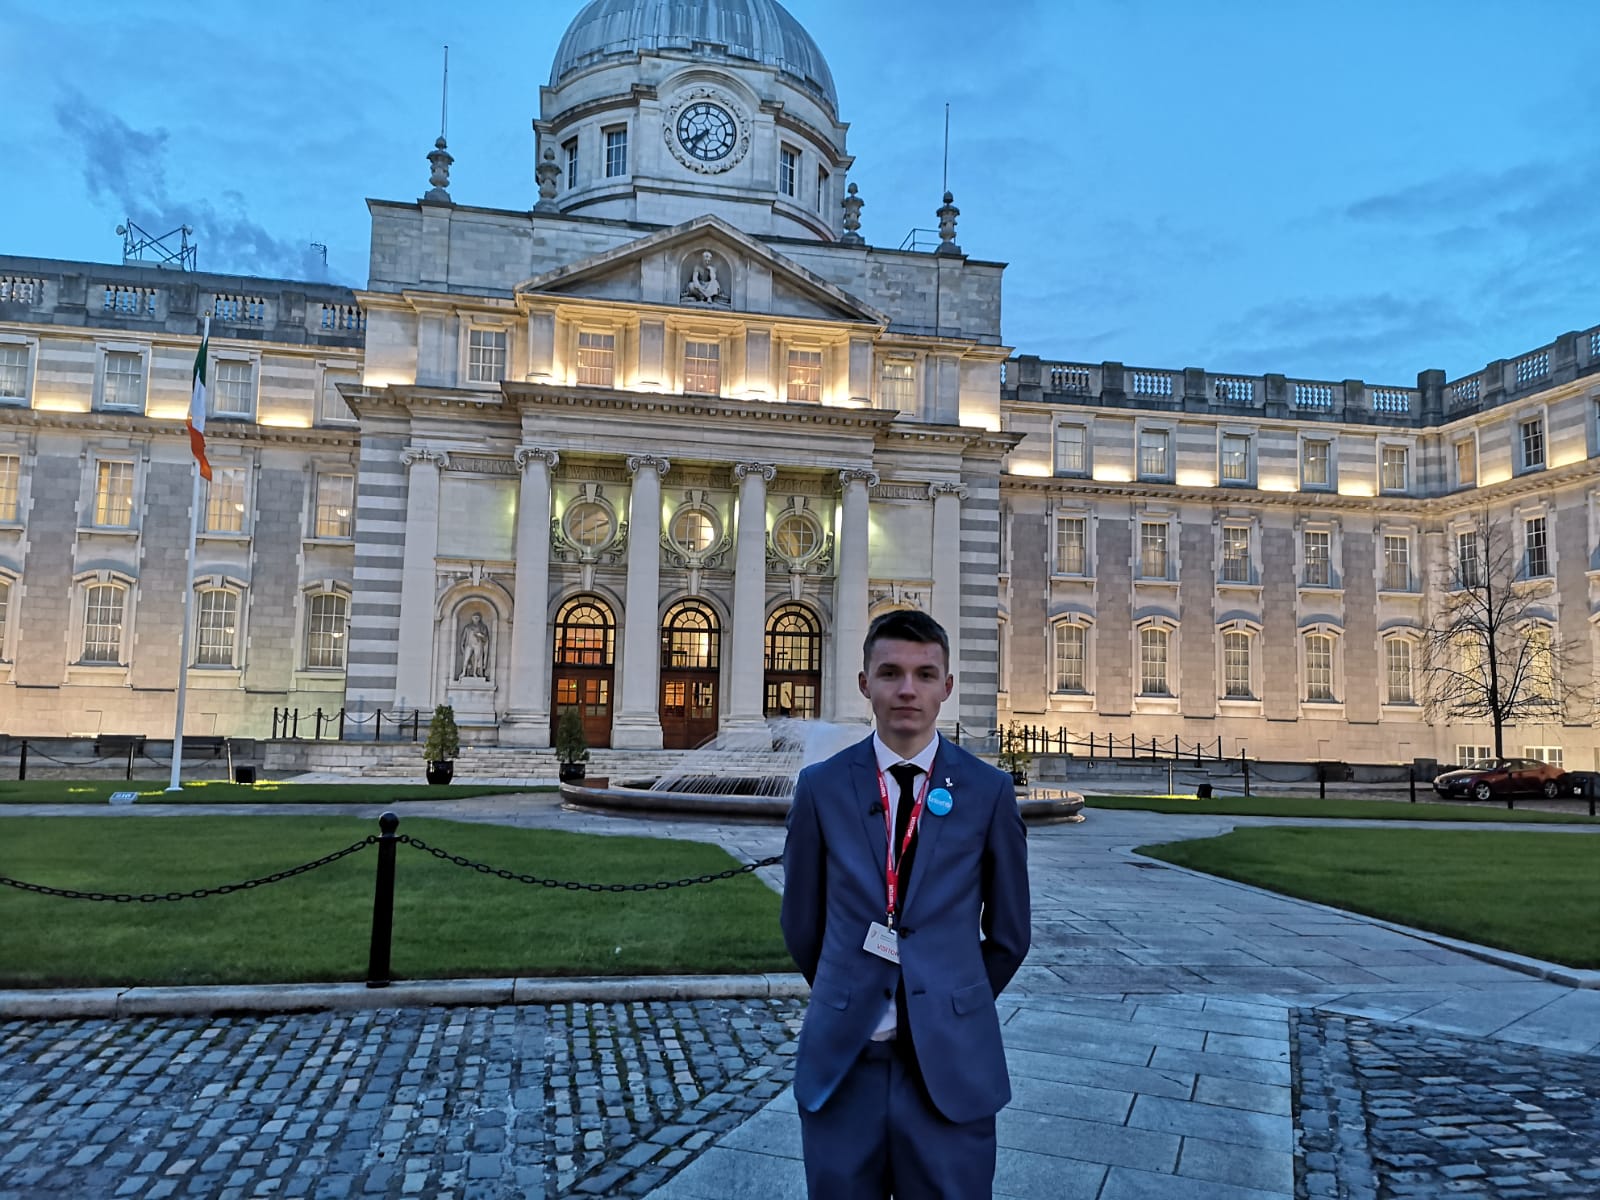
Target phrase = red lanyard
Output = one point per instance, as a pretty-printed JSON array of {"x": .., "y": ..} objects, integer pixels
[{"x": 891, "y": 860}]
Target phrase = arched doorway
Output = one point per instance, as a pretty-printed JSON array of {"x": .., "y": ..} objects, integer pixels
[
  {"x": 691, "y": 641},
  {"x": 584, "y": 666},
  {"x": 793, "y": 663}
]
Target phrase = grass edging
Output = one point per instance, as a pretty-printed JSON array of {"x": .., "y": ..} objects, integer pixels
[{"x": 1334, "y": 809}]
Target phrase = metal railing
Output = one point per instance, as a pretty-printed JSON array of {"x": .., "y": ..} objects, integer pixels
[{"x": 342, "y": 725}]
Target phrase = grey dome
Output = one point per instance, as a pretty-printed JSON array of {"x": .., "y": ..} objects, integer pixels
[{"x": 760, "y": 31}]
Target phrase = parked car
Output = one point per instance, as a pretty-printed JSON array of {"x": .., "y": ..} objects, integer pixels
[{"x": 1502, "y": 777}]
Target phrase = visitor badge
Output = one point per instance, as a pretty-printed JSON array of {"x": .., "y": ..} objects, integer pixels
[
  {"x": 882, "y": 941},
  {"x": 940, "y": 802}
]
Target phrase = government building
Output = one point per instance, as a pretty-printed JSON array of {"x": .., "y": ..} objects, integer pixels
[{"x": 661, "y": 445}]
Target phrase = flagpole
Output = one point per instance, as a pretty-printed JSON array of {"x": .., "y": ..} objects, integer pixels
[{"x": 176, "y": 784}]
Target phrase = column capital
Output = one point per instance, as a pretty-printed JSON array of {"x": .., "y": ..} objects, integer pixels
[
  {"x": 767, "y": 471},
  {"x": 412, "y": 455},
  {"x": 857, "y": 475},
  {"x": 641, "y": 462},
  {"x": 529, "y": 454},
  {"x": 958, "y": 490}
]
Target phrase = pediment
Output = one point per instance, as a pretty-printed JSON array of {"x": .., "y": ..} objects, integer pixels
[{"x": 706, "y": 265}]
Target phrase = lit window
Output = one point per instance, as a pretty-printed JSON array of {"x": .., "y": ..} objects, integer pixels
[
  {"x": 702, "y": 368},
  {"x": 805, "y": 376},
  {"x": 1153, "y": 549},
  {"x": 589, "y": 524},
  {"x": 1318, "y": 544},
  {"x": 1314, "y": 464},
  {"x": 616, "y": 153},
  {"x": 486, "y": 355},
  {"x": 1536, "y": 559},
  {"x": 123, "y": 384},
  {"x": 1236, "y": 554},
  {"x": 326, "y": 625},
  {"x": 1532, "y": 432},
  {"x": 1468, "y": 573},
  {"x": 1319, "y": 666},
  {"x": 1153, "y": 663},
  {"x": 1397, "y": 668},
  {"x": 1466, "y": 463},
  {"x": 13, "y": 372},
  {"x": 1236, "y": 683},
  {"x": 1069, "y": 658},
  {"x": 218, "y": 623},
  {"x": 1396, "y": 563},
  {"x": 113, "y": 494},
  {"x": 796, "y": 536},
  {"x": 597, "y": 359},
  {"x": 1396, "y": 469},
  {"x": 335, "y": 516},
  {"x": 693, "y": 531},
  {"x": 896, "y": 386},
  {"x": 788, "y": 164},
  {"x": 10, "y": 472},
  {"x": 1153, "y": 454},
  {"x": 1071, "y": 548},
  {"x": 224, "y": 512},
  {"x": 1072, "y": 450},
  {"x": 570, "y": 149},
  {"x": 1235, "y": 458},
  {"x": 102, "y": 623}
]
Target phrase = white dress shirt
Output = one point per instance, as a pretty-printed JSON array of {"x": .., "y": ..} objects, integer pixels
[{"x": 923, "y": 760}]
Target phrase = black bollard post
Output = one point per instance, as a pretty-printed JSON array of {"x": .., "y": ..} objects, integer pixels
[
  {"x": 383, "y": 904},
  {"x": 1411, "y": 779},
  {"x": 416, "y": 723},
  {"x": 1245, "y": 762},
  {"x": 377, "y": 724},
  {"x": 131, "y": 745},
  {"x": 1322, "y": 783},
  {"x": 22, "y": 768},
  {"x": 320, "y": 719},
  {"x": 296, "y": 734},
  {"x": 341, "y": 724}
]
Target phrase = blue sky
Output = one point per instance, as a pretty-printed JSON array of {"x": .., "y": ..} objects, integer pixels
[{"x": 1354, "y": 190}]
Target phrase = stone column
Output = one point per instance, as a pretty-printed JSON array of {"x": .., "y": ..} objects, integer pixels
[
  {"x": 637, "y": 724},
  {"x": 850, "y": 596},
  {"x": 527, "y": 721},
  {"x": 946, "y": 601},
  {"x": 414, "y": 672},
  {"x": 745, "y": 649}
]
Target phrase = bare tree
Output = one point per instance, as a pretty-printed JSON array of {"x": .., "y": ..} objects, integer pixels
[{"x": 1491, "y": 651}]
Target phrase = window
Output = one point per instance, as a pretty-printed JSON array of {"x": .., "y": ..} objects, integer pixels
[
  {"x": 616, "y": 152},
  {"x": 1539, "y": 665},
  {"x": 102, "y": 623},
  {"x": 1153, "y": 549},
  {"x": 1544, "y": 754},
  {"x": 1153, "y": 457},
  {"x": 1236, "y": 554},
  {"x": 1069, "y": 658},
  {"x": 218, "y": 622},
  {"x": 1315, "y": 464},
  {"x": 335, "y": 515},
  {"x": 702, "y": 368},
  {"x": 822, "y": 189},
  {"x": 1467, "y": 463},
  {"x": 1071, "y": 546},
  {"x": 224, "y": 512},
  {"x": 326, "y": 622},
  {"x": 1153, "y": 662},
  {"x": 332, "y": 406},
  {"x": 486, "y": 355},
  {"x": 896, "y": 386},
  {"x": 597, "y": 359},
  {"x": 1236, "y": 680},
  {"x": 805, "y": 376},
  {"x": 1532, "y": 438},
  {"x": 113, "y": 494},
  {"x": 1396, "y": 563},
  {"x": 1397, "y": 671},
  {"x": 788, "y": 168},
  {"x": 10, "y": 473},
  {"x": 569, "y": 149},
  {"x": 233, "y": 390},
  {"x": 796, "y": 537},
  {"x": 1072, "y": 450},
  {"x": 5, "y": 608},
  {"x": 1319, "y": 666},
  {"x": 123, "y": 382},
  {"x": 1536, "y": 559},
  {"x": 1318, "y": 546},
  {"x": 13, "y": 372},
  {"x": 1394, "y": 476},
  {"x": 589, "y": 524},
  {"x": 1468, "y": 574},
  {"x": 1474, "y": 756},
  {"x": 693, "y": 530},
  {"x": 1235, "y": 458}
]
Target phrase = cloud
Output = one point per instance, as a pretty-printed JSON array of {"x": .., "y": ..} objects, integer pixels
[{"x": 126, "y": 167}]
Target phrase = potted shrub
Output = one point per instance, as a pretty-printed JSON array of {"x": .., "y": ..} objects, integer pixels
[
  {"x": 444, "y": 743},
  {"x": 572, "y": 748},
  {"x": 1014, "y": 756}
]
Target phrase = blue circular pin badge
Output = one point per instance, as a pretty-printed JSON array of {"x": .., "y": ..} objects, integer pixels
[{"x": 940, "y": 802}]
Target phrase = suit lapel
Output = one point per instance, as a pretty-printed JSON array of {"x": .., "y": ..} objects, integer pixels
[
  {"x": 864, "y": 776},
  {"x": 930, "y": 829}
]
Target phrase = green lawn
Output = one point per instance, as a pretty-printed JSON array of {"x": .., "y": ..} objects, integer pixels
[
  {"x": 98, "y": 791},
  {"x": 1532, "y": 893},
  {"x": 449, "y": 921},
  {"x": 1577, "y": 811}
]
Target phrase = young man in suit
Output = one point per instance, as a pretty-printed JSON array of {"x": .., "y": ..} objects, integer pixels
[{"x": 905, "y": 905}]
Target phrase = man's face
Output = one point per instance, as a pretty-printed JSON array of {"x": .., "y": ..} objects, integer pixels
[{"x": 906, "y": 683}]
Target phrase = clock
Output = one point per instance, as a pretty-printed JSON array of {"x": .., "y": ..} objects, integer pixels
[{"x": 706, "y": 131}]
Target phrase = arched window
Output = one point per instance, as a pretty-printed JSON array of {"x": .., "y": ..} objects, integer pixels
[
  {"x": 690, "y": 637},
  {"x": 327, "y": 623},
  {"x": 216, "y": 627},
  {"x": 1070, "y": 646},
  {"x": 104, "y": 607},
  {"x": 5, "y": 613},
  {"x": 1238, "y": 679},
  {"x": 1397, "y": 676},
  {"x": 794, "y": 640},
  {"x": 1319, "y": 666},
  {"x": 1153, "y": 649},
  {"x": 586, "y": 633}
]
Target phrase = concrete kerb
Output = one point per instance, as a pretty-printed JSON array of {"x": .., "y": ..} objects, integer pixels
[
  {"x": 1572, "y": 977},
  {"x": 57, "y": 1004}
]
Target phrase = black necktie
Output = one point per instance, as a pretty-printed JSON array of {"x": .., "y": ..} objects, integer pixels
[{"x": 905, "y": 774}]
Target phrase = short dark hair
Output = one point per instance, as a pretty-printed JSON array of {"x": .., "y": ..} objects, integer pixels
[{"x": 904, "y": 625}]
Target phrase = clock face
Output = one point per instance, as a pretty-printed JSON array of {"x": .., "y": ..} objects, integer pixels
[{"x": 706, "y": 131}]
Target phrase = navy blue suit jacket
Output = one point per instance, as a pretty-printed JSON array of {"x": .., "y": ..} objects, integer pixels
[{"x": 970, "y": 874}]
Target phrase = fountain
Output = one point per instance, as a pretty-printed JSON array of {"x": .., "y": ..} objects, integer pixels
[{"x": 750, "y": 774}]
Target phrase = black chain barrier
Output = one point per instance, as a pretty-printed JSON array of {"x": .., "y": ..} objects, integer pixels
[{"x": 573, "y": 886}]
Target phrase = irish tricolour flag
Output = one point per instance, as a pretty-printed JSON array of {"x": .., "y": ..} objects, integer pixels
[{"x": 197, "y": 406}]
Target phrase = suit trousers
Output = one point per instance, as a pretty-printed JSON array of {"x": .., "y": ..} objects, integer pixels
[{"x": 878, "y": 1135}]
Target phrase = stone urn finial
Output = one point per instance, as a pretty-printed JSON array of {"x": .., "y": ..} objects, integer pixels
[
  {"x": 852, "y": 219},
  {"x": 548, "y": 172},
  {"x": 439, "y": 159},
  {"x": 947, "y": 215}
]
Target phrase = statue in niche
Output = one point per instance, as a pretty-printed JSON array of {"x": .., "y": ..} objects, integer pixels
[
  {"x": 472, "y": 649},
  {"x": 703, "y": 284}
]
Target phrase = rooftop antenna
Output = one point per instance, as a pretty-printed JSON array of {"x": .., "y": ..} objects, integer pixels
[
  {"x": 444, "y": 97},
  {"x": 172, "y": 249},
  {"x": 945, "y": 184},
  {"x": 440, "y": 158}
]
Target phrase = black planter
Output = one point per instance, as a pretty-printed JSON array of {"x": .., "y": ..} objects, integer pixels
[
  {"x": 442, "y": 771},
  {"x": 571, "y": 772},
  {"x": 1020, "y": 778}
]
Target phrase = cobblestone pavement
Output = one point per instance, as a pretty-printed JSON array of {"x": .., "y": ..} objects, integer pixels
[
  {"x": 511, "y": 1103},
  {"x": 1397, "y": 1111}
]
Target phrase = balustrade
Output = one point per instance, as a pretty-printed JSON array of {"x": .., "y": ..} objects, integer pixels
[
  {"x": 19, "y": 289},
  {"x": 130, "y": 301},
  {"x": 1071, "y": 380},
  {"x": 1313, "y": 395},
  {"x": 1390, "y": 400},
  {"x": 1157, "y": 384},
  {"x": 239, "y": 310},
  {"x": 1226, "y": 390},
  {"x": 1534, "y": 366},
  {"x": 343, "y": 318}
]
